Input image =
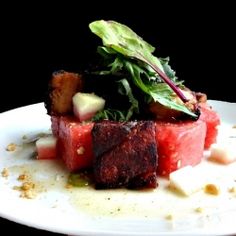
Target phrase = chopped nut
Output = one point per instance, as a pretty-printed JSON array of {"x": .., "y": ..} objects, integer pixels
[
  {"x": 199, "y": 209},
  {"x": 11, "y": 147},
  {"x": 23, "y": 177},
  {"x": 232, "y": 190},
  {"x": 169, "y": 217},
  {"x": 212, "y": 189},
  {"x": 5, "y": 173},
  {"x": 80, "y": 150},
  {"x": 27, "y": 186},
  {"x": 28, "y": 194}
]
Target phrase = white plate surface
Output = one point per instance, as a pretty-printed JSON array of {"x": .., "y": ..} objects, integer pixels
[{"x": 85, "y": 211}]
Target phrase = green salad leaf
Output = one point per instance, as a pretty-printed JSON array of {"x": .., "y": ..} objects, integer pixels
[
  {"x": 123, "y": 50},
  {"x": 110, "y": 114}
]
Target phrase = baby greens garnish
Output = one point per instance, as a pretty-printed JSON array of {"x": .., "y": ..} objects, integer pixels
[{"x": 127, "y": 54}]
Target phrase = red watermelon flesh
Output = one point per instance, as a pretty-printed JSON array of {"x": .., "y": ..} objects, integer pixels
[
  {"x": 212, "y": 120},
  {"x": 179, "y": 144},
  {"x": 74, "y": 142}
]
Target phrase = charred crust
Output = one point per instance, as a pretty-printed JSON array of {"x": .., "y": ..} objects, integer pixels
[{"x": 129, "y": 162}]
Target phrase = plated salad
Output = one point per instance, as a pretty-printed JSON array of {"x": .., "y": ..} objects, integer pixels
[
  {"x": 128, "y": 119},
  {"x": 127, "y": 122}
]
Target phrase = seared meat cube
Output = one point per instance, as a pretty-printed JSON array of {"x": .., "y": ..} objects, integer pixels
[
  {"x": 62, "y": 88},
  {"x": 125, "y": 154},
  {"x": 108, "y": 134}
]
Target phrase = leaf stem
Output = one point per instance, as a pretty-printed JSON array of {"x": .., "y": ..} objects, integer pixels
[{"x": 168, "y": 81}]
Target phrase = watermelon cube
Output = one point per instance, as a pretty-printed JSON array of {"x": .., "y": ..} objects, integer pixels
[
  {"x": 179, "y": 144},
  {"x": 212, "y": 120},
  {"x": 46, "y": 148},
  {"x": 74, "y": 142}
]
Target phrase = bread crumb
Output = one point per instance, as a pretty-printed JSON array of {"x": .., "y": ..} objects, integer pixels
[
  {"x": 5, "y": 172},
  {"x": 11, "y": 147}
]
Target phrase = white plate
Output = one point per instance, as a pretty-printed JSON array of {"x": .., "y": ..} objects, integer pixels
[{"x": 113, "y": 212}]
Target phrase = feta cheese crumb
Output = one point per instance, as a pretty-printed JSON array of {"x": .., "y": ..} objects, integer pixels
[
  {"x": 193, "y": 183},
  {"x": 224, "y": 152}
]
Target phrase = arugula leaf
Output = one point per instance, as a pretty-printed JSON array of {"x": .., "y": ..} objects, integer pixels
[
  {"x": 167, "y": 69},
  {"x": 106, "y": 52},
  {"x": 120, "y": 37},
  {"x": 110, "y": 114},
  {"x": 125, "y": 89},
  {"x": 128, "y": 55},
  {"x": 142, "y": 78},
  {"x": 160, "y": 92},
  {"x": 126, "y": 42}
]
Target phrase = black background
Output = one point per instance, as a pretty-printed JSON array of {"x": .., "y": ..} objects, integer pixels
[{"x": 37, "y": 39}]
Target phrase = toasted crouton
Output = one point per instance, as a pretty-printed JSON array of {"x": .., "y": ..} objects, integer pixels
[{"x": 61, "y": 90}]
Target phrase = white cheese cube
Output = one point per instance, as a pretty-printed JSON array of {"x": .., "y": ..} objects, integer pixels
[
  {"x": 187, "y": 180},
  {"x": 85, "y": 105},
  {"x": 224, "y": 153}
]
